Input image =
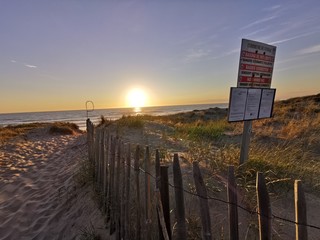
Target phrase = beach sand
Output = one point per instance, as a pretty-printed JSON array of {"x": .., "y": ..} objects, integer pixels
[{"x": 39, "y": 198}]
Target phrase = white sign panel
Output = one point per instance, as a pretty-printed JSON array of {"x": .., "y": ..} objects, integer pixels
[
  {"x": 250, "y": 104},
  {"x": 266, "y": 105},
  {"x": 256, "y": 64},
  {"x": 237, "y": 104},
  {"x": 253, "y": 103}
]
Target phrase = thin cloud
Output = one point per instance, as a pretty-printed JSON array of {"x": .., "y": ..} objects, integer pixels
[
  {"x": 30, "y": 66},
  {"x": 310, "y": 50},
  {"x": 292, "y": 38},
  {"x": 196, "y": 55},
  {"x": 255, "y": 32},
  {"x": 13, "y": 61},
  {"x": 263, "y": 20},
  {"x": 272, "y": 8}
]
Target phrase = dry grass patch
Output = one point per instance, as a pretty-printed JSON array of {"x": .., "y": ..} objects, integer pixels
[{"x": 12, "y": 131}]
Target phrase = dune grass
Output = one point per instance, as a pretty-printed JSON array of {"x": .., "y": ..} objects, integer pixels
[
  {"x": 131, "y": 121},
  {"x": 21, "y": 130},
  {"x": 285, "y": 147},
  {"x": 203, "y": 130}
]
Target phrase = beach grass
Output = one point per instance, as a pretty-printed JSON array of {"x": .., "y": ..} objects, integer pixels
[
  {"x": 285, "y": 147},
  {"x": 21, "y": 130},
  {"x": 131, "y": 121},
  {"x": 203, "y": 130}
]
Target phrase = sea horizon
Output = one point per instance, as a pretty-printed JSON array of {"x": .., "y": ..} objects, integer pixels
[{"x": 79, "y": 116}]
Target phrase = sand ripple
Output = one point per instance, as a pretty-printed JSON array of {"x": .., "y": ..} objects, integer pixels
[{"x": 38, "y": 197}]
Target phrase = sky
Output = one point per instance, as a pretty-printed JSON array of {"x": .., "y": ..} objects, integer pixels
[{"x": 56, "y": 55}]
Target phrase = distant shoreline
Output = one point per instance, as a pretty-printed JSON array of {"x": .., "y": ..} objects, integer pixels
[{"x": 79, "y": 116}]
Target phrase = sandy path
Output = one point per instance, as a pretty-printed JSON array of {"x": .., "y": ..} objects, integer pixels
[{"x": 38, "y": 196}]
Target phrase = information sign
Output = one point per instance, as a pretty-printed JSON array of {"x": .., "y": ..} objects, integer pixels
[
  {"x": 238, "y": 99},
  {"x": 266, "y": 105},
  {"x": 250, "y": 104},
  {"x": 253, "y": 103},
  {"x": 256, "y": 64}
]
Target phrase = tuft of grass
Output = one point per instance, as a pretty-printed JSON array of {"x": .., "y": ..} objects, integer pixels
[
  {"x": 89, "y": 233},
  {"x": 203, "y": 130},
  {"x": 11, "y": 131},
  {"x": 84, "y": 174},
  {"x": 21, "y": 130},
  {"x": 104, "y": 122},
  {"x": 64, "y": 128},
  {"x": 131, "y": 121}
]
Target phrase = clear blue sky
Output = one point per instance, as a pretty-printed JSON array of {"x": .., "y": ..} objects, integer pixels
[{"x": 55, "y": 55}]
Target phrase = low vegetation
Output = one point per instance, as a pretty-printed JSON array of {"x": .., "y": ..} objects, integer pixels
[
  {"x": 285, "y": 147},
  {"x": 22, "y": 130},
  {"x": 131, "y": 121},
  {"x": 64, "y": 128}
]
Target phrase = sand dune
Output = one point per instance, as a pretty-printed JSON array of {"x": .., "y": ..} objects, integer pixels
[{"x": 38, "y": 196}]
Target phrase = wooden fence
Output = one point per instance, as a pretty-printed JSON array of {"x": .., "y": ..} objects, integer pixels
[{"x": 139, "y": 207}]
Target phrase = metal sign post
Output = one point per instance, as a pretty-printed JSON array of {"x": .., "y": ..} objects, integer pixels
[{"x": 89, "y": 110}]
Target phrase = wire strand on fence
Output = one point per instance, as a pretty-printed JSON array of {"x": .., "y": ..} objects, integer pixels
[{"x": 227, "y": 202}]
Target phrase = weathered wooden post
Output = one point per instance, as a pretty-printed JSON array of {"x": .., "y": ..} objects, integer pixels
[
  {"x": 117, "y": 191},
  {"x": 147, "y": 194},
  {"x": 157, "y": 166},
  {"x": 127, "y": 202},
  {"x": 203, "y": 202},
  {"x": 163, "y": 232},
  {"x": 123, "y": 193},
  {"x": 106, "y": 173},
  {"x": 264, "y": 208},
  {"x": 300, "y": 211},
  {"x": 138, "y": 210},
  {"x": 232, "y": 207},
  {"x": 112, "y": 186},
  {"x": 165, "y": 199},
  {"x": 96, "y": 157},
  {"x": 102, "y": 161},
  {"x": 179, "y": 198}
]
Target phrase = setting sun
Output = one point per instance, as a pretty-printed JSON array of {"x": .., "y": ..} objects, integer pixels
[{"x": 136, "y": 98}]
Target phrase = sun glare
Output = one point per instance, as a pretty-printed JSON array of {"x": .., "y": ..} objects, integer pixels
[{"x": 136, "y": 98}]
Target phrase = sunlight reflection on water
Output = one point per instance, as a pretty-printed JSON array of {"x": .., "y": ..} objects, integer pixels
[{"x": 137, "y": 110}]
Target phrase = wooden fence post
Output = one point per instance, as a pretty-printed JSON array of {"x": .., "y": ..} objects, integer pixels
[
  {"x": 111, "y": 186},
  {"x": 179, "y": 198},
  {"x": 163, "y": 232},
  {"x": 106, "y": 173},
  {"x": 157, "y": 166},
  {"x": 264, "y": 208},
  {"x": 232, "y": 206},
  {"x": 89, "y": 139},
  {"x": 127, "y": 206},
  {"x": 165, "y": 199},
  {"x": 300, "y": 211},
  {"x": 123, "y": 193},
  {"x": 102, "y": 162},
  {"x": 117, "y": 192},
  {"x": 147, "y": 194},
  {"x": 138, "y": 210},
  {"x": 203, "y": 201}
]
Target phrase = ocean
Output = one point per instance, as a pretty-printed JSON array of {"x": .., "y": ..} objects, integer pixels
[{"x": 79, "y": 116}]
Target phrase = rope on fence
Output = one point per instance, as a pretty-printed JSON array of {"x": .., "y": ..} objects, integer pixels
[{"x": 227, "y": 202}]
